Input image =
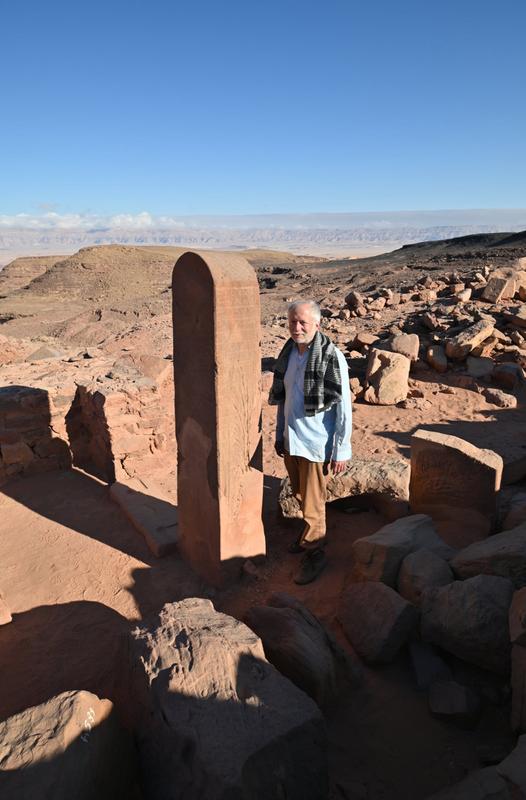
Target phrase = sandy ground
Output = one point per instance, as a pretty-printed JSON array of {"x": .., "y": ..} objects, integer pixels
[{"x": 78, "y": 574}]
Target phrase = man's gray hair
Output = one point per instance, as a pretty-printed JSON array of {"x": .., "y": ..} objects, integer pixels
[{"x": 312, "y": 304}]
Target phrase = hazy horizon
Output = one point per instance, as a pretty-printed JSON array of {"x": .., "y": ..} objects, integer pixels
[{"x": 325, "y": 234}]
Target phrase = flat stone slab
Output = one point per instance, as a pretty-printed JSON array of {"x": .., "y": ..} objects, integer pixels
[
  {"x": 154, "y": 516},
  {"x": 449, "y": 472}
]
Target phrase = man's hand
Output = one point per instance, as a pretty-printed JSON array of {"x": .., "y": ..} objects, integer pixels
[
  {"x": 279, "y": 447},
  {"x": 338, "y": 466}
]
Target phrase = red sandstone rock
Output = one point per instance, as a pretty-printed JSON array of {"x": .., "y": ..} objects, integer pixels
[
  {"x": 218, "y": 409},
  {"x": 376, "y": 620},
  {"x": 461, "y": 345},
  {"x": 379, "y": 557},
  {"x": 448, "y": 472},
  {"x": 407, "y": 344},
  {"x": 387, "y": 375},
  {"x": 214, "y": 718},
  {"x": 436, "y": 358}
]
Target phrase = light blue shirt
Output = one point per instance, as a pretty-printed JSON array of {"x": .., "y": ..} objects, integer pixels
[{"x": 325, "y": 436}]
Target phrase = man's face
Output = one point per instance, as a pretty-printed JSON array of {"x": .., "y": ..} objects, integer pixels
[{"x": 302, "y": 325}]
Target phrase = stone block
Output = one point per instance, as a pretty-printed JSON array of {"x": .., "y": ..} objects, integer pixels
[
  {"x": 422, "y": 570},
  {"x": 461, "y": 345},
  {"x": 378, "y": 557},
  {"x": 214, "y": 718},
  {"x": 516, "y": 317},
  {"x": 498, "y": 288},
  {"x": 376, "y": 620},
  {"x": 298, "y": 645},
  {"x": 407, "y": 344},
  {"x": 503, "y": 554},
  {"x": 436, "y": 358},
  {"x": 448, "y": 472},
  {"x": 218, "y": 413},
  {"x": 150, "y": 512},
  {"x": 16, "y": 453},
  {"x": 387, "y": 375},
  {"x": 470, "y": 619},
  {"x": 71, "y": 746}
]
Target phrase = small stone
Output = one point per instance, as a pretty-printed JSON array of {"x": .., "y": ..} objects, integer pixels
[
  {"x": 499, "y": 398},
  {"x": 436, "y": 358}
]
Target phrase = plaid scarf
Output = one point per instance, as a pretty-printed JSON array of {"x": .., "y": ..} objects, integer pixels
[{"x": 323, "y": 382}]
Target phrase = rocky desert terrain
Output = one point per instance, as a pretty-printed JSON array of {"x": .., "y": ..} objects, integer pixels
[{"x": 421, "y": 692}]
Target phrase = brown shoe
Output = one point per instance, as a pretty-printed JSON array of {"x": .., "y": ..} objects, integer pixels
[{"x": 312, "y": 563}]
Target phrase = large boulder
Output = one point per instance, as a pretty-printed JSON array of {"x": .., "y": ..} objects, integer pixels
[
  {"x": 378, "y": 557},
  {"x": 298, "y": 645},
  {"x": 503, "y": 554},
  {"x": 386, "y": 482},
  {"x": 69, "y": 747},
  {"x": 470, "y": 619},
  {"x": 451, "y": 475},
  {"x": 376, "y": 620},
  {"x": 420, "y": 571},
  {"x": 387, "y": 375},
  {"x": 215, "y": 720}
]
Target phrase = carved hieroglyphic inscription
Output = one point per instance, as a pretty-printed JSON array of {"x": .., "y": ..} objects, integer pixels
[{"x": 218, "y": 411}]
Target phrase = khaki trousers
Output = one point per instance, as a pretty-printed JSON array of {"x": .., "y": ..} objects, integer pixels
[{"x": 309, "y": 485}]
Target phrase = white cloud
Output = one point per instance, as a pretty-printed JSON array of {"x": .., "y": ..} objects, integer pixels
[{"x": 54, "y": 221}]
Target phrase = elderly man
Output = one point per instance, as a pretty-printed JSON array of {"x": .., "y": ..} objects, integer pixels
[{"x": 313, "y": 431}]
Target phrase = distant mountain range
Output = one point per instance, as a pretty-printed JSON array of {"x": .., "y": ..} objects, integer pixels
[{"x": 321, "y": 234}]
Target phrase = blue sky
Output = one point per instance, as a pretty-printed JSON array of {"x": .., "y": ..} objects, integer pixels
[{"x": 211, "y": 107}]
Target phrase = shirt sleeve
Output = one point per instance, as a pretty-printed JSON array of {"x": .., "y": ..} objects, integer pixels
[
  {"x": 280, "y": 422},
  {"x": 341, "y": 448}
]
